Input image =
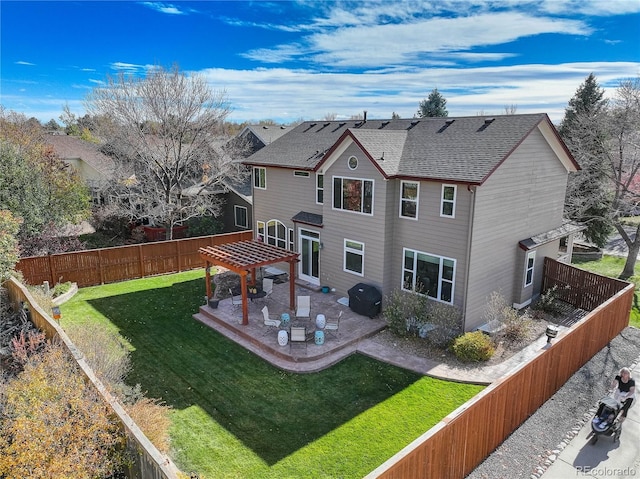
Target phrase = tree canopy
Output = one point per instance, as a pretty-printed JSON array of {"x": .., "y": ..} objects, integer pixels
[
  {"x": 606, "y": 139},
  {"x": 588, "y": 200},
  {"x": 434, "y": 105},
  {"x": 166, "y": 134},
  {"x": 37, "y": 186}
]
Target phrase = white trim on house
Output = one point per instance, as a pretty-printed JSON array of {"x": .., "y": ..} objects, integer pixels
[
  {"x": 363, "y": 180},
  {"x": 350, "y": 247},
  {"x": 260, "y": 182},
  {"x": 413, "y": 273},
  {"x": 446, "y": 201},
  {"x": 529, "y": 268},
  {"x": 319, "y": 189},
  {"x": 415, "y": 201}
]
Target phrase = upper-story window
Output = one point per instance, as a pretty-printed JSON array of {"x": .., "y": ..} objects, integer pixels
[
  {"x": 409, "y": 199},
  {"x": 352, "y": 162},
  {"x": 448, "y": 201},
  {"x": 319, "y": 188},
  {"x": 259, "y": 177},
  {"x": 303, "y": 174},
  {"x": 353, "y": 195}
]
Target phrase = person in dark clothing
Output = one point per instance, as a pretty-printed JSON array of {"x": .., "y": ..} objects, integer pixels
[{"x": 624, "y": 390}]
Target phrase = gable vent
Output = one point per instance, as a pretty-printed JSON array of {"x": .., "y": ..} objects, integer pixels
[
  {"x": 486, "y": 123},
  {"x": 446, "y": 125}
]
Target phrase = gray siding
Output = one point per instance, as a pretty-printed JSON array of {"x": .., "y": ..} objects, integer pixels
[
  {"x": 367, "y": 229},
  {"x": 523, "y": 197}
]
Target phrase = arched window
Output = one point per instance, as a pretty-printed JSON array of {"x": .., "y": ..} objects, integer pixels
[{"x": 276, "y": 234}]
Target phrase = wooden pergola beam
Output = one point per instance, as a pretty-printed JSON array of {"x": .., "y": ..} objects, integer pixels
[{"x": 243, "y": 257}]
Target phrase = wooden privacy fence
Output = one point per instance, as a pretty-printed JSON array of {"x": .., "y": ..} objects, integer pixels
[
  {"x": 462, "y": 440},
  {"x": 582, "y": 289},
  {"x": 147, "y": 461},
  {"x": 111, "y": 265}
]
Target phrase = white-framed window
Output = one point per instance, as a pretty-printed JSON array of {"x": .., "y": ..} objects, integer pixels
[
  {"x": 260, "y": 177},
  {"x": 354, "y": 257},
  {"x": 353, "y": 194},
  {"x": 448, "y": 201},
  {"x": 429, "y": 274},
  {"x": 529, "y": 267},
  {"x": 291, "y": 245},
  {"x": 409, "y": 191},
  {"x": 304, "y": 174},
  {"x": 276, "y": 234},
  {"x": 352, "y": 162},
  {"x": 240, "y": 216},
  {"x": 260, "y": 230},
  {"x": 319, "y": 188}
]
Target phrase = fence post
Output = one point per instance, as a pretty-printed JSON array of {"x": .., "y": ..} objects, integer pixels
[{"x": 141, "y": 261}]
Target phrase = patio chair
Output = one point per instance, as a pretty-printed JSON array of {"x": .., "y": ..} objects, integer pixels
[
  {"x": 303, "y": 308},
  {"x": 269, "y": 321},
  {"x": 332, "y": 325},
  {"x": 235, "y": 301},
  {"x": 267, "y": 287},
  {"x": 297, "y": 337}
]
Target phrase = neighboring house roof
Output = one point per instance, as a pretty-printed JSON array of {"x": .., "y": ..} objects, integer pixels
[
  {"x": 71, "y": 147},
  {"x": 463, "y": 149},
  {"x": 266, "y": 133}
]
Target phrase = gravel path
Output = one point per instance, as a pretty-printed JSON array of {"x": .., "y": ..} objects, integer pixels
[{"x": 551, "y": 427}]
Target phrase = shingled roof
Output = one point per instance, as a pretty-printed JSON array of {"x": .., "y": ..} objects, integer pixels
[
  {"x": 462, "y": 149},
  {"x": 71, "y": 147}
]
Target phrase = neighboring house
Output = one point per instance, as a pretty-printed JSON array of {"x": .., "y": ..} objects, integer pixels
[
  {"x": 454, "y": 207},
  {"x": 94, "y": 167},
  {"x": 237, "y": 212}
]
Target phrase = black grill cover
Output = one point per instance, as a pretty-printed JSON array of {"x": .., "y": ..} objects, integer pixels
[{"x": 365, "y": 299}]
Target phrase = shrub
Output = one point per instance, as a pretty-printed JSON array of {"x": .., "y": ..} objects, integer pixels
[
  {"x": 514, "y": 327},
  {"x": 473, "y": 347},
  {"x": 54, "y": 424},
  {"x": 548, "y": 302},
  {"x": 405, "y": 312},
  {"x": 447, "y": 320},
  {"x": 152, "y": 417},
  {"x": 60, "y": 288}
]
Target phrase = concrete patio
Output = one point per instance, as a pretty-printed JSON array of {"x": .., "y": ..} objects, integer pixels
[{"x": 256, "y": 337}]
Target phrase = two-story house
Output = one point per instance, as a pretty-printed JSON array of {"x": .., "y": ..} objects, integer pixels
[{"x": 454, "y": 208}]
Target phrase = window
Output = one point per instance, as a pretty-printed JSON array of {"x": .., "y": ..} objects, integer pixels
[
  {"x": 352, "y": 162},
  {"x": 319, "y": 189},
  {"x": 353, "y": 195},
  {"x": 528, "y": 272},
  {"x": 260, "y": 178},
  {"x": 429, "y": 274},
  {"x": 409, "y": 199},
  {"x": 354, "y": 257},
  {"x": 448, "y": 203},
  {"x": 260, "y": 230},
  {"x": 276, "y": 234},
  {"x": 240, "y": 216},
  {"x": 291, "y": 240},
  {"x": 304, "y": 174}
]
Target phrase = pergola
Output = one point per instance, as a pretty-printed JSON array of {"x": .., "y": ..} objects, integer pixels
[{"x": 243, "y": 257}]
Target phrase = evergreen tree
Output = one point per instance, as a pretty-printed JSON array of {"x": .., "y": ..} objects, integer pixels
[
  {"x": 434, "y": 105},
  {"x": 588, "y": 198}
]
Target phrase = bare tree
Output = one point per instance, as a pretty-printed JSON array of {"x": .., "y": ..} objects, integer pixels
[
  {"x": 165, "y": 132},
  {"x": 510, "y": 109}
]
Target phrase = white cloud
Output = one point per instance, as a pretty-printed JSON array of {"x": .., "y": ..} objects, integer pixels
[
  {"x": 167, "y": 8},
  {"x": 386, "y": 44},
  {"x": 20, "y": 62}
]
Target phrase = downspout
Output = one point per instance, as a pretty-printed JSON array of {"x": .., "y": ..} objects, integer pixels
[{"x": 472, "y": 190}]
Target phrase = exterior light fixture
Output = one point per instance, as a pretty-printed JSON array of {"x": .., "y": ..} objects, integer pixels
[{"x": 551, "y": 332}]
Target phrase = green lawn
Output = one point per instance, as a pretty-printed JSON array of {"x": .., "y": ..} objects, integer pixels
[
  {"x": 234, "y": 415},
  {"x": 612, "y": 266}
]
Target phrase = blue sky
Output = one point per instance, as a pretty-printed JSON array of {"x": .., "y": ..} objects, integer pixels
[{"x": 291, "y": 60}]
